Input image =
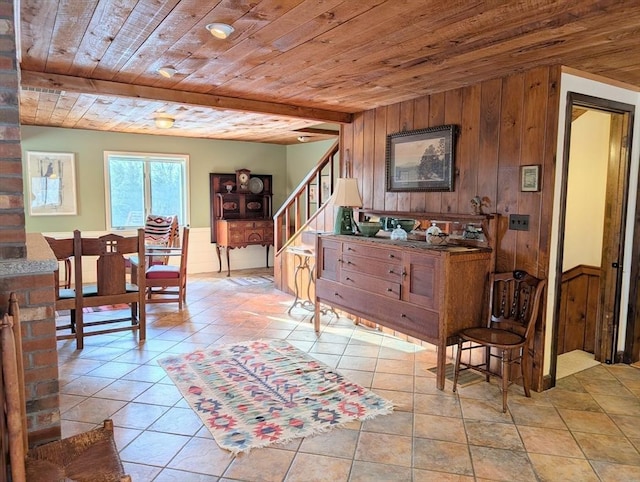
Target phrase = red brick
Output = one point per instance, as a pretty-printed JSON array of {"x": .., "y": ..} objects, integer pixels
[
  {"x": 42, "y": 296},
  {"x": 10, "y": 184},
  {"x": 11, "y": 201},
  {"x": 9, "y": 132},
  {"x": 39, "y": 374},
  {"x": 48, "y": 434},
  {"x": 6, "y": 9},
  {"x": 7, "y": 63},
  {"x": 8, "y": 46},
  {"x": 9, "y": 81},
  {"x": 48, "y": 417},
  {"x": 44, "y": 358},
  {"x": 42, "y": 328},
  {"x": 9, "y": 115},
  {"x": 38, "y": 344},
  {"x": 9, "y": 99},
  {"x": 29, "y": 282},
  {"x": 11, "y": 219},
  {"x": 47, "y": 388},
  {"x": 12, "y": 235},
  {"x": 13, "y": 252},
  {"x": 43, "y": 404},
  {"x": 10, "y": 150}
]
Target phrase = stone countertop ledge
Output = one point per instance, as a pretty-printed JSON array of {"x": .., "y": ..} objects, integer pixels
[{"x": 40, "y": 259}]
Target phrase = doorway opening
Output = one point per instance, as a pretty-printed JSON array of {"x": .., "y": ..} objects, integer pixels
[{"x": 594, "y": 198}]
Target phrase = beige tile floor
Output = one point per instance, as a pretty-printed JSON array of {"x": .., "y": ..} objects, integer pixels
[{"x": 587, "y": 428}]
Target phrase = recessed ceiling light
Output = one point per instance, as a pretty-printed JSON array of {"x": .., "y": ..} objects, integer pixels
[
  {"x": 167, "y": 71},
  {"x": 164, "y": 121},
  {"x": 220, "y": 30}
]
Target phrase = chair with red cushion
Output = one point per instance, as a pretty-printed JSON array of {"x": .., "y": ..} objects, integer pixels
[{"x": 167, "y": 283}]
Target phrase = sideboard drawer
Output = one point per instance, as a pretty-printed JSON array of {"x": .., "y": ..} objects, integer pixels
[
  {"x": 388, "y": 270},
  {"x": 378, "y": 286},
  {"x": 369, "y": 251}
]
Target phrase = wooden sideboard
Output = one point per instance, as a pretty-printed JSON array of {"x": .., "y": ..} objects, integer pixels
[
  {"x": 427, "y": 292},
  {"x": 240, "y": 217},
  {"x": 240, "y": 234}
]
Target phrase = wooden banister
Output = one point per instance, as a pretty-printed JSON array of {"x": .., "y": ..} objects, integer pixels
[{"x": 296, "y": 210}]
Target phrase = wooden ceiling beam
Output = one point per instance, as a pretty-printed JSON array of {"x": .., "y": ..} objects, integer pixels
[
  {"x": 315, "y": 130},
  {"x": 67, "y": 83}
]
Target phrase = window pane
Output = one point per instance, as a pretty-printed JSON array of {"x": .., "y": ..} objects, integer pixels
[
  {"x": 126, "y": 188},
  {"x": 166, "y": 189}
]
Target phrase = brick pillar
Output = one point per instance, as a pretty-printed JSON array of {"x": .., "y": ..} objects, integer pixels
[
  {"x": 12, "y": 233},
  {"x": 26, "y": 262}
]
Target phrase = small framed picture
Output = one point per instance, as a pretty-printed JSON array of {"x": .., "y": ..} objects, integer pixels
[
  {"x": 313, "y": 193},
  {"x": 530, "y": 178}
]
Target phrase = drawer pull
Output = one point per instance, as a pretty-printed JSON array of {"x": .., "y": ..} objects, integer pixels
[
  {"x": 348, "y": 279},
  {"x": 403, "y": 315},
  {"x": 349, "y": 248},
  {"x": 389, "y": 289},
  {"x": 390, "y": 271},
  {"x": 391, "y": 256},
  {"x": 348, "y": 262},
  {"x": 404, "y": 272}
]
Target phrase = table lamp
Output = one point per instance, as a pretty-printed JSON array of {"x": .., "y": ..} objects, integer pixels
[{"x": 346, "y": 197}]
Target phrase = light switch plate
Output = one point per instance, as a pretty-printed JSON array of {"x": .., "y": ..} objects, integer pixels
[{"x": 519, "y": 222}]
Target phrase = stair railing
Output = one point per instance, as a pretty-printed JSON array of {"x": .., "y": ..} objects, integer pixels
[{"x": 303, "y": 201}]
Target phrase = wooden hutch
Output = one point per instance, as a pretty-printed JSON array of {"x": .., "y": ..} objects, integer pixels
[{"x": 240, "y": 212}]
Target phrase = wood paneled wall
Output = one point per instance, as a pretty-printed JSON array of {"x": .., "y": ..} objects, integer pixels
[
  {"x": 503, "y": 124},
  {"x": 578, "y": 309}
]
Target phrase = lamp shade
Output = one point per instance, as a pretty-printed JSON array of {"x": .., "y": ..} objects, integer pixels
[{"x": 347, "y": 193}]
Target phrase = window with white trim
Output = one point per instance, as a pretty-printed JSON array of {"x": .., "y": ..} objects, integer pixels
[{"x": 138, "y": 184}]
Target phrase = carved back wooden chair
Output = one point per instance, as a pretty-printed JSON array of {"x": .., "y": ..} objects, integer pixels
[
  {"x": 514, "y": 305},
  {"x": 160, "y": 231},
  {"x": 168, "y": 283},
  {"x": 111, "y": 287},
  {"x": 65, "y": 294},
  {"x": 89, "y": 456}
]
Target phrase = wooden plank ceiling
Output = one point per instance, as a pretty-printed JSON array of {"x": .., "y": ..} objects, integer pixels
[{"x": 293, "y": 65}]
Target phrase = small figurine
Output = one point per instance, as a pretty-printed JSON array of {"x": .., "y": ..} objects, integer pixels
[{"x": 476, "y": 204}]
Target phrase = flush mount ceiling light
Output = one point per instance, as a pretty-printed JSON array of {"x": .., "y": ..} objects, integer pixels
[
  {"x": 303, "y": 138},
  {"x": 220, "y": 30},
  {"x": 164, "y": 122},
  {"x": 167, "y": 71}
]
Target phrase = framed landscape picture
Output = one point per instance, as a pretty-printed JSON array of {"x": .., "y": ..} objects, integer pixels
[{"x": 421, "y": 160}]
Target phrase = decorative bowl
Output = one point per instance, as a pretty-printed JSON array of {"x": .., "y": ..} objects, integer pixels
[
  {"x": 368, "y": 228},
  {"x": 407, "y": 224}
]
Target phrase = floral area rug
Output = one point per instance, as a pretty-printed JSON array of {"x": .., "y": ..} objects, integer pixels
[{"x": 257, "y": 393}]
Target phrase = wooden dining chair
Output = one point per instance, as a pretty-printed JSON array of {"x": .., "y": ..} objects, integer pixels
[
  {"x": 111, "y": 287},
  {"x": 160, "y": 231},
  {"x": 86, "y": 457},
  {"x": 65, "y": 294},
  {"x": 168, "y": 283},
  {"x": 514, "y": 304}
]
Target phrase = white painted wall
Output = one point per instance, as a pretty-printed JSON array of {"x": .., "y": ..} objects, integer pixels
[
  {"x": 588, "y": 86},
  {"x": 586, "y": 190}
]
